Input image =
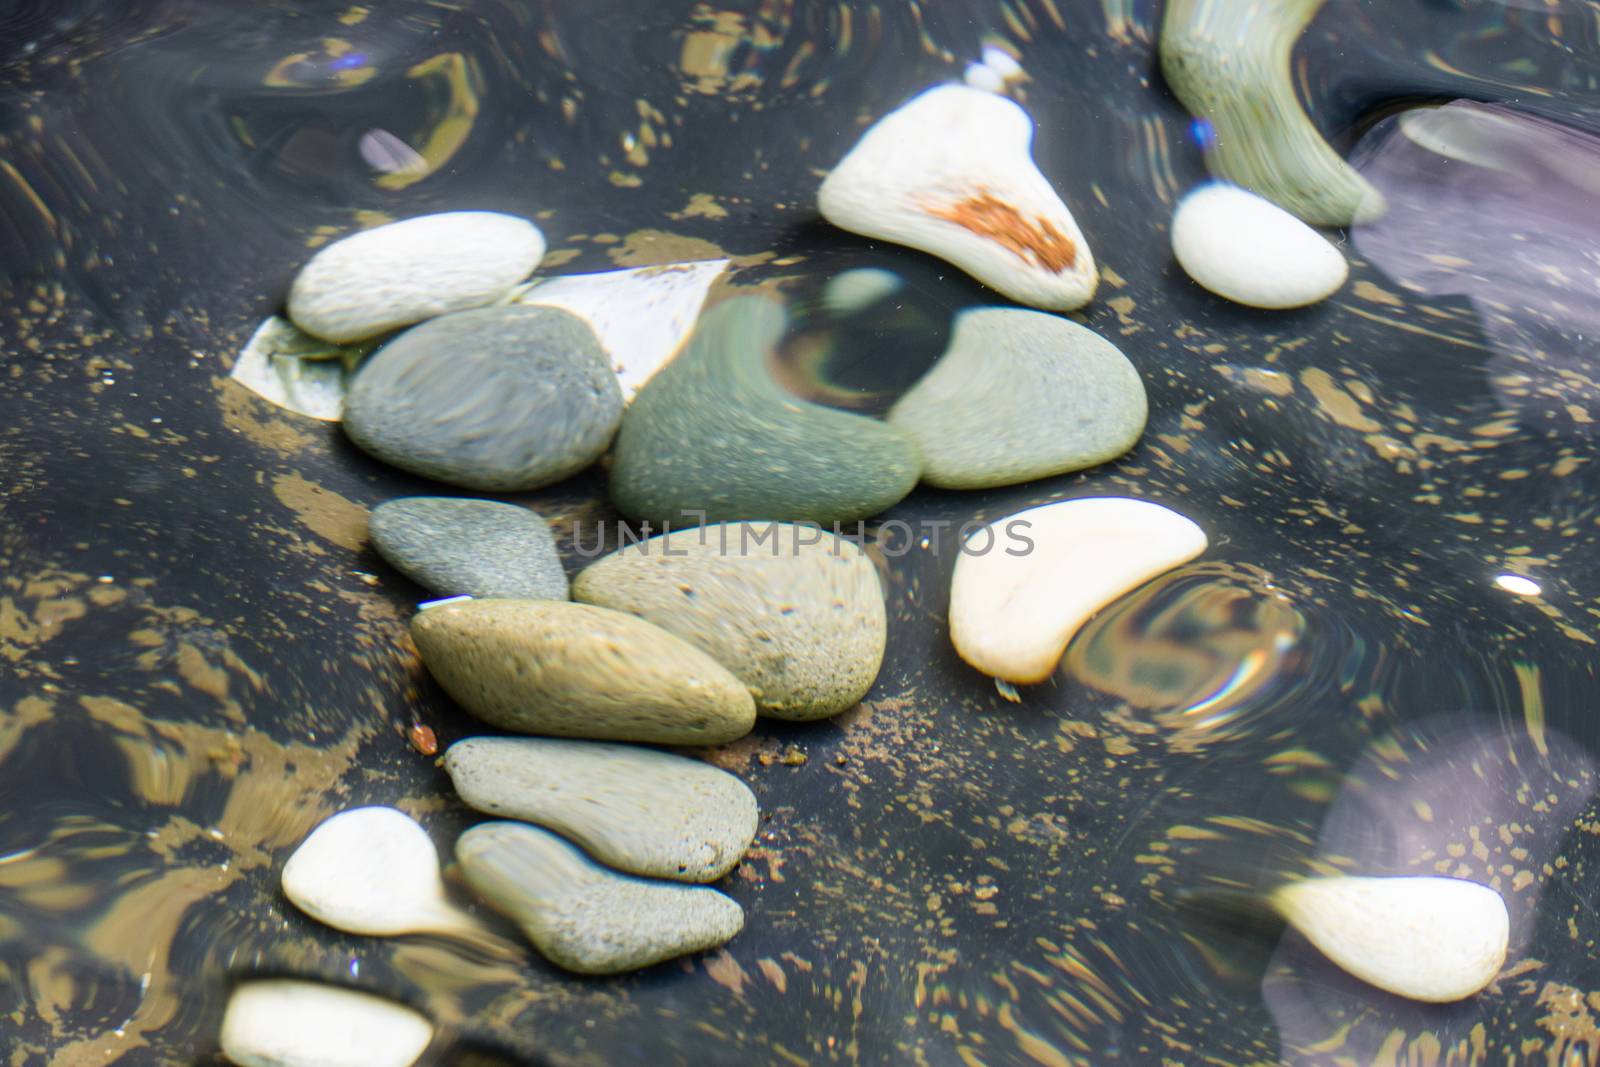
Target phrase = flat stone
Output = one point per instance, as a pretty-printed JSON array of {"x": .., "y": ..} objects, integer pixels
[
  {"x": 403, "y": 272},
  {"x": 1253, "y": 252},
  {"x": 282, "y": 1022},
  {"x": 635, "y": 809},
  {"x": 713, "y": 433},
  {"x": 1021, "y": 395},
  {"x": 1023, "y": 585},
  {"x": 796, "y": 613},
  {"x": 582, "y": 916},
  {"x": 573, "y": 670},
  {"x": 498, "y": 399},
  {"x": 479, "y": 548}
]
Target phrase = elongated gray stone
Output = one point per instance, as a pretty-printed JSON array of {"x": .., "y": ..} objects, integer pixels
[
  {"x": 1021, "y": 395},
  {"x": 480, "y": 548},
  {"x": 498, "y": 399},
  {"x": 636, "y": 809},
  {"x": 796, "y": 613},
  {"x": 572, "y": 670},
  {"x": 582, "y": 916}
]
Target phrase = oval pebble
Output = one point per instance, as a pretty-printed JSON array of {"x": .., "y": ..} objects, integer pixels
[
  {"x": 404, "y": 272},
  {"x": 1251, "y": 251},
  {"x": 289, "y": 1023},
  {"x": 479, "y": 548},
  {"x": 572, "y": 670},
  {"x": 582, "y": 916},
  {"x": 499, "y": 399},
  {"x": 635, "y": 809}
]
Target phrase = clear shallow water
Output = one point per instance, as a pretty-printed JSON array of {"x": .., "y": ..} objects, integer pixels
[{"x": 199, "y": 659}]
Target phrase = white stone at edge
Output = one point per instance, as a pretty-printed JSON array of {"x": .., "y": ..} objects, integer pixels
[
  {"x": 287, "y": 1023},
  {"x": 1251, "y": 251},
  {"x": 1011, "y": 616},
  {"x": 951, "y": 143},
  {"x": 404, "y": 272},
  {"x": 1426, "y": 938}
]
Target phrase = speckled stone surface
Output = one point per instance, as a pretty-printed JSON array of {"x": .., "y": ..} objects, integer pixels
[
  {"x": 796, "y": 613},
  {"x": 1020, "y": 395},
  {"x": 480, "y": 548},
  {"x": 713, "y": 433},
  {"x": 573, "y": 670},
  {"x": 582, "y": 916},
  {"x": 632, "y": 808},
  {"x": 497, "y": 399}
]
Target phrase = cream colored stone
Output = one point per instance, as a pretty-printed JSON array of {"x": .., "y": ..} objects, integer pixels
[
  {"x": 288, "y": 1023},
  {"x": 1253, "y": 252}
]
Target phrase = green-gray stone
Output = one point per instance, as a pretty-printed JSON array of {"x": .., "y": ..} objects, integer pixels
[
  {"x": 712, "y": 432},
  {"x": 1021, "y": 395},
  {"x": 573, "y": 670},
  {"x": 498, "y": 399},
  {"x": 632, "y": 808},
  {"x": 582, "y": 916},
  {"x": 796, "y": 613},
  {"x": 480, "y": 548}
]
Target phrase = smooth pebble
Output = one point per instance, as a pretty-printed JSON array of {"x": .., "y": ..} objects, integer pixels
[
  {"x": 282, "y": 1022},
  {"x": 1253, "y": 252},
  {"x": 479, "y": 548}
]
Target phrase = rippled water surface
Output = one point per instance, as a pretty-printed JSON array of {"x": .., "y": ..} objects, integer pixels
[{"x": 200, "y": 658}]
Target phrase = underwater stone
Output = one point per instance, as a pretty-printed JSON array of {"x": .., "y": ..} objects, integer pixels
[
  {"x": 951, "y": 173},
  {"x": 796, "y": 613},
  {"x": 498, "y": 399},
  {"x": 1020, "y": 395},
  {"x": 404, "y": 272},
  {"x": 712, "y": 433},
  {"x": 635, "y": 809},
  {"x": 573, "y": 670},
  {"x": 479, "y": 548},
  {"x": 1024, "y": 584},
  {"x": 582, "y": 916},
  {"x": 1424, "y": 937},
  {"x": 289, "y": 1023},
  {"x": 1253, "y": 252}
]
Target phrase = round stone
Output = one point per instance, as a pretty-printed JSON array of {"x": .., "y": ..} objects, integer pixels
[
  {"x": 283, "y": 1022},
  {"x": 1021, "y": 395},
  {"x": 499, "y": 399},
  {"x": 1251, "y": 251},
  {"x": 479, "y": 548}
]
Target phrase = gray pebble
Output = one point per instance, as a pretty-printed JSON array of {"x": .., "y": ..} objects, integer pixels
[
  {"x": 582, "y": 916},
  {"x": 480, "y": 548},
  {"x": 636, "y": 809},
  {"x": 503, "y": 398}
]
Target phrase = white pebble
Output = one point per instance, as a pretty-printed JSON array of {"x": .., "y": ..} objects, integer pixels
[
  {"x": 1001, "y": 62},
  {"x": 1426, "y": 938},
  {"x": 1014, "y": 607},
  {"x": 982, "y": 76},
  {"x": 1253, "y": 252},
  {"x": 286, "y": 1023},
  {"x": 951, "y": 173},
  {"x": 404, "y": 272}
]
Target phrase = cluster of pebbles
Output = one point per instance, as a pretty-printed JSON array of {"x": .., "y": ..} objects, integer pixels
[{"x": 601, "y": 849}]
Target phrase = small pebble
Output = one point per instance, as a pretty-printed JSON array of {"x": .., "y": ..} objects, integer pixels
[
  {"x": 1253, "y": 252},
  {"x": 572, "y": 670},
  {"x": 1021, "y": 395},
  {"x": 479, "y": 548},
  {"x": 636, "y": 809},
  {"x": 404, "y": 272},
  {"x": 288, "y": 1023},
  {"x": 582, "y": 916},
  {"x": 499, "y": 399}
]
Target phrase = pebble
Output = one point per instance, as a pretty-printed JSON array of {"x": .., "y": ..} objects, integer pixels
[
  {"x": 404, "y": 272},
  {"x": 635, "y": 809},
  {"x": 573, "y": 670},
  {"x": 712, "y": 433},
  {"x": 951, "y": 173},
  {"x": 1021, "y": 395},
  {"x": 796, "y": 613},
  {"x": 479, "y": 548},
  {"x": 282, "y": 1022},
  {"x": 498, "y": 399},
  {"x": 372, "y": 871},
  {"x": 1024, "y": 584},
  {"x": 582, "y": 916},
  {"x": 1423, "y": 937},
  {"x": 1253, "y": 252}
]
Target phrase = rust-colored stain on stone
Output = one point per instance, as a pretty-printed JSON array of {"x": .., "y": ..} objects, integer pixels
[{"x": 1037, "y": 241}]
